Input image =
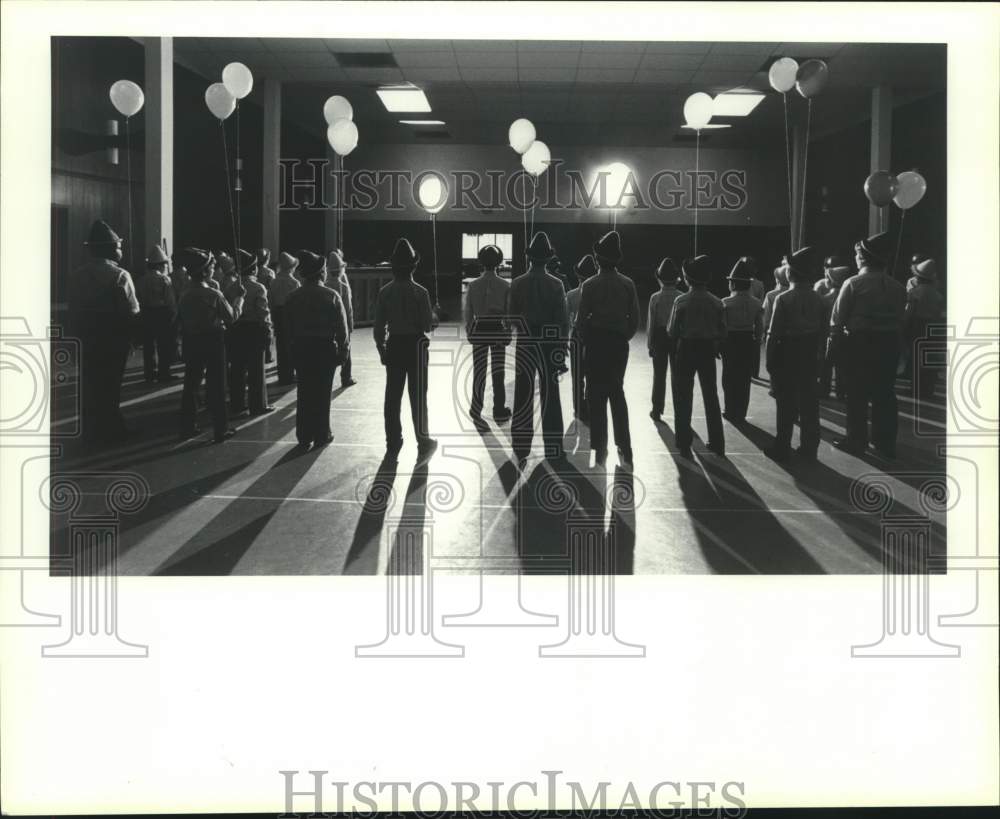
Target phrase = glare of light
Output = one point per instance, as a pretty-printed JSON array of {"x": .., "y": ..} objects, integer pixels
[
  {"x": 404, "y": 100},
  {"x": 712, "y": 126},
  {"x": 421, "y": 122},
  {"x": 735, "y": 105},
  {"x": 615, "y": 179}
]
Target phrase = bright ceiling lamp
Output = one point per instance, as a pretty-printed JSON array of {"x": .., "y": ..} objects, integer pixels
[
  {"x": 403, "y": 99},
  {"x": 712, "y": 126},
  {"x": 735, "y": 104},
  {"x": 421, "y": 122}
]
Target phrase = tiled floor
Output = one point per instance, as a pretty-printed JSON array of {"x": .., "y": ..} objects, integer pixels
[{"x": 257, "y": 505}]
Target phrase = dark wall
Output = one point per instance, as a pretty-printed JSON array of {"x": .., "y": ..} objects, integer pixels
[
  {"x": 301, "y": 228},
  {"x": 85, "y": 186},
  {"x": 840, "y": 163}
]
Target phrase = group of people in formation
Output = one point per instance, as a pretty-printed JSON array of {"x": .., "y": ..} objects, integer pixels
[{"x": 819, "y": 328}]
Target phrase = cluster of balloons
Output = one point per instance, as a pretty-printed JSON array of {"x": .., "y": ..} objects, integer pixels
[
  {"x": 535, "y": 154},
  {"x": 221, "y": 97},
  {"x": 341, "y": 132},
  {"x": 126, "y": 97},
  {"x": 905, "y": 190},
  {"x": 809, "y": 78}
]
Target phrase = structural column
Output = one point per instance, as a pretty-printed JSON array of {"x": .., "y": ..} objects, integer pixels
[
  {"x": 272, "y": 165},
  {"x": 159, "y": 139},
  {"x": 881, "y": 152}
]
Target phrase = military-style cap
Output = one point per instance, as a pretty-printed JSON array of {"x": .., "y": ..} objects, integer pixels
[
  {"x": 586, "y": 267},
  {"x": 877, "y": 247},
  {"x": 247, "y": 262},
  {"x": 101, "y": 234},
  {"x": 926, "y": 270},
  {"x": 698, "y": 269},
  {"x": 667, "y": 270},
  {"x": 311, "y": 265},
  {"x": 741, "y": 271},
  {"x": 263, "y": 255},
  {"x": 156, "y": 256},
  {"x": 803, "y": 264},
  {"x": 194, "y": 260},
  {"x": 404, "y": 257},
  {"x": 287, "y": 263},
  {"x": 490, "y": 256},
  {"x": 540, "y": 248},
  {"x": 609, "y": 247}
]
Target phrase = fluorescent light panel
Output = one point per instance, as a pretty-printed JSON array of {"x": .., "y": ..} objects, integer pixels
[
  {"x": 421, "y": 122},
  {"x": 712, "y": 126},
  {"x": 404, "y": 100},
  {"x": 735, "y": 105}
]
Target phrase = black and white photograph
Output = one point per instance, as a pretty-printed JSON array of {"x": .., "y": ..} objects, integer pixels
[{"x": 498, "y": 323}]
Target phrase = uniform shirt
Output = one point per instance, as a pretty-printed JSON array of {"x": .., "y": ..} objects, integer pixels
[
  {"x": 403, "y": 308},
  {"x": 203, "y": 309},
  {"x": 609, "y": 302},
  {"x": 924, "y": 303},
  {"x": 250, "y": 305},
  {"x": 870, "y": 301},
  {"x": 102, "y": 288},
  {"x": 698, "y": 314},
  {"x": 282, "y": 287},
  {"x": 539, "y": 300},
  {"x": 797, "y": 312},
  {"x": 743, "y": 313},
  {"x": 573, "y": 303},
  {"x": 769, "y": 305},
  {"x": 339, "y": 283},
  {"x": 757, "y": 290},
  {"x": 316, "y": 311},
  {"x": 155, "y": 290},
  {"x": 661, "y": 305},
  {"x": 486, "y": 296},
  {"x": 266, "y": 276}
]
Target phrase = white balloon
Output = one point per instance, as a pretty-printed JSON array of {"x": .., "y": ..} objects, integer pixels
[
  {"x": 782, "y": 74},
  {"x": 343, "y": 136},
  {"x": 127, "y": 97},
  {"x": 238, "y": 79},
  {"x": 219, "y": 100},
  {"x": 536, "y": 159},
  {"x": 521, "y": 135},
  {"x": 432, "y": 193},
  {"x": 698, "y": 109},
  {"x": 335, "y": 108}
]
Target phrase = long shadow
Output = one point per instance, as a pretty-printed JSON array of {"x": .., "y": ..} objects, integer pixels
[
  {"x": 830, "y": 490},
  {"x": 362, "y": 556},
  {"x": 215, "y": 549},
  {"x": 406, "y": 552},
  {"x": 622, "y": 530},
  {"x": 735, "y": 530}
]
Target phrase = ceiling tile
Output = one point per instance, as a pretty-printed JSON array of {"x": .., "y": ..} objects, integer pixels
[
  {"x": 610, "y": 59},
  {"x": 602, "y": 75},
  {"x": 363, "y": 46},
  {"x": 487, "y": 59},
  {"x": 548, "y": 45},
  {"x": 731, "y": 62},
  {"x": 319, "y": 74},
  {"x": 663, "y": 77},
  {"x": 546, "y": 74},
  {"x": 807, "y": 49},
  {"x": 306, "y": 59},
  {"x": 756, "y": 49},
  {"x": 547, "y": 59},
  {"x": 420, "y": 45},
  {"x": 724, "y": 80},
  {"x": 374, "y": 75},
  {"x": 601, "y": 47},
  {"x": 243, "y": 43},
  {"x": 506, "y": 46},
  {"x": 414, "y": 74},
  {"x": 425, "y": 59},
  {"x": 295, "y": 44},
  {"x": 678, "y": 48},
  {"x": 489, "y": 74},
  {"x": 672, "y": 62}
]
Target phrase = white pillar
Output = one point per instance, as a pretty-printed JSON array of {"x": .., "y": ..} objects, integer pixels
[
  {"x": 271, "y": 165},
  {"x": 881, "y": 150},
  {"x": 159, "y": 124}
]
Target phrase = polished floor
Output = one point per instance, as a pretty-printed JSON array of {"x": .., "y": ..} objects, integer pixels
[{"x": 258, "y": 505}]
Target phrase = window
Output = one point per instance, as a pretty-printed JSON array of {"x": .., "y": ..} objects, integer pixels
[{"x": 472, "y": 242}]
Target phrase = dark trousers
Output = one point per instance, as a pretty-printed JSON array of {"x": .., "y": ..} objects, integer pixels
[
  {"x": 316, "y": 364},
  {"x": 663, "y": 355},
  {"x": 870, "y": 359},
  {"x": 737, "y": 369},
  {"x": 497, "y": 354},
  {"x": 345, "y": 367},
  {"x": 246, "y": 367},
  {"x": 104, "y": 349},
  {"x": 204, "y": 357},
  {"x": 282, "y": 346},
  {"x": 536, "y": 358},
  {"x": 927, "y": 355},
  {"x": 695, "y": 357},
  {"x": 405, "y": 368},
  {"x": 793, "y": 380},
  {"x": 607, "y": 358},
  {"x": 578, "y": 374},
  {"x": 830, "y": 371},
  {"x": 756, "y": 360},
  {"x": 159, "y": 342}
]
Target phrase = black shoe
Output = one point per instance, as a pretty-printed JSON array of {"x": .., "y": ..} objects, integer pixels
[
  {"x": 778, "y": 453},
  {"x": 263, "y": 411},
  {"x": 600, "y": 457},
  {"x": 229, "y": 433},
  {"x": 849, "y": 447},
  {"x": 324, "y": 439},
  {"x": 350, "y": 382},
  {"x": 685, "y": 452},
  {"x": 656, "y": 416},
  {"x": 625, "y": 456},
  {"x": 426, "y": 448},
  {"x": 190, "y": 432},
  {"x": 806, "y": 454},
  {"x": 718, "y": 449},
  {"x": 502, "y": 415}
]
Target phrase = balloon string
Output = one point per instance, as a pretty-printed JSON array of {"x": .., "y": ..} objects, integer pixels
[
  {"x": 229, "y": 192},
  {"x": 434, "y": 241},
  {"x": 534, "y": 196},
  {"x": 697, "y": 174},
  {"x": 788, "y": 178},
  {"x": 805, "y": 170},
  {"x": 128, "y": 178},
  {"x": 237, "y": 169},
  {"x": 899, "y": 242},
  {"x": 524, "y": 218}
]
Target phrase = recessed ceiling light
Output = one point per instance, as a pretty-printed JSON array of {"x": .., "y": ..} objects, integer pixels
[
  {"x": 421, "y": 122},
  {"x": 712, "y": 126},
  {"x": 404, "y": 100},
  {"x": 735, "y": 105}
]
